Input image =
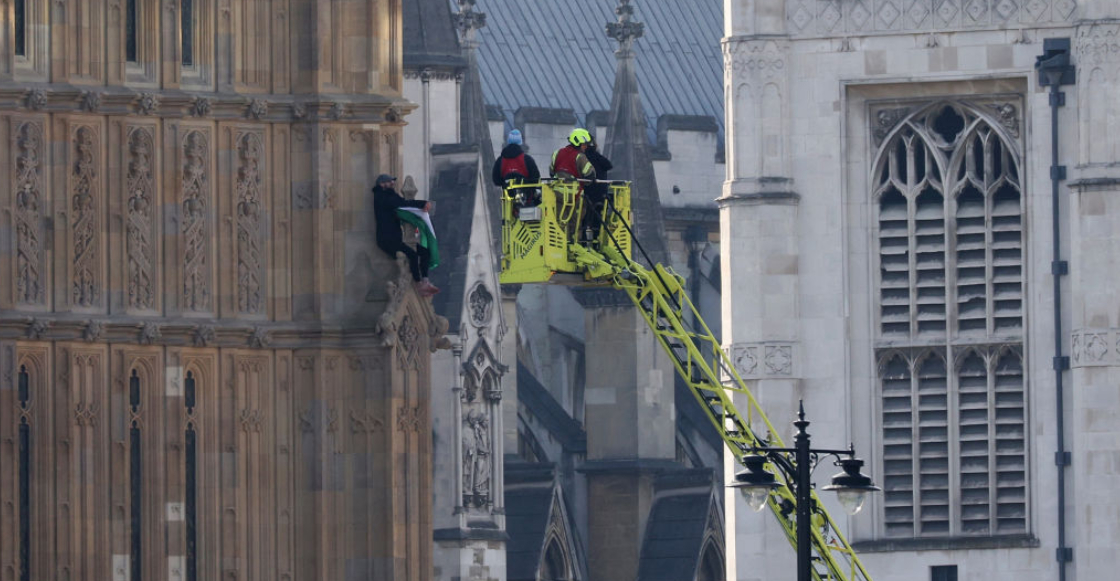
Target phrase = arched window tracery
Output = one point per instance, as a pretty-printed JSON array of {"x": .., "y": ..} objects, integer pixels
[{"x": 949, "y": 255}]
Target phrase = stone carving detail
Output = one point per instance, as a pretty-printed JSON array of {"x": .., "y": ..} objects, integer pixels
[
  {"x": 37, "y": 100},
  {"x": 38, "y": 329},
  {"x": 201, "y": 106},
  {"x": 299, "y": 110},
  {"x": 257, "y": 108},
  {"x": 745, "y": 359},
  {"x": 481, "y": 303},
  {"x": 755, "y": 59},
  {"x": 249, "y": 210},
  {"x": 779, "y": 359},
  {"x": 150, "y": 333},
  {"x": 260, "y": 339},
  {"x": 886, "y": 120},
  {"x": 195, "y": 208},
  {"x": 762, "y": 360},
  {"x": 93, "y": 331},
  {"x": 1095, "y": 347},
  {"x": 832, "y": 17},
  {"x": 251, "y": 420},
  {"x": 476, "y": 459},
  {"x": 149, "y": 104},
  {"x": 1098, "y": 44},
  {"x": 85, "y": 414},
  {"x": 29, "y": 228},
  {"x": 138, "y": 230},
  {"x": 338, "y": 111},
  {"x": 408, "y": 419},
  {"x": 91, "y": 101},
  {"x": 408, "y": 343},
  {"x": 364, "y": 422},
  {"x": 204, "y": 336},
  {"x": 85, "y": 227},
  {"x": 1008, "y": 116}
]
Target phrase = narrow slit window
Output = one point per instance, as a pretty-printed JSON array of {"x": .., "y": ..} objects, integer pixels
[
  {"x": 130, "y": 31},
  {"x": 186, "y": 16},
  {"x": 21, "y": 27},
  {"x": 24, "y": 475},
  {"x": 191, "y": 473},
  {"x": 135, "y": 492}
]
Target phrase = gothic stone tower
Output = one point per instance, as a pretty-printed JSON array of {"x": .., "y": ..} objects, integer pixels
[
  {"x": 207, "y": 371},
  {"x": 888, "y": 215}
]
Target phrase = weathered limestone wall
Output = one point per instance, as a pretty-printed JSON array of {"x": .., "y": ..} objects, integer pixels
[{"x": 174, "y": 226}]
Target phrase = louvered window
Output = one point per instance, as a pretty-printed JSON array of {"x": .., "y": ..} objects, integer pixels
[{"x": 949, "y": 255}]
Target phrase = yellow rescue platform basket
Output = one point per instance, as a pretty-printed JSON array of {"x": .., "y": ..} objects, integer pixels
[{"x": 545, "y": 224}]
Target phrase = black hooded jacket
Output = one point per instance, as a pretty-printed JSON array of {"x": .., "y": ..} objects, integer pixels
[
  {"x": 385, "y": 204},
  {"x": 511, "y": 151}
]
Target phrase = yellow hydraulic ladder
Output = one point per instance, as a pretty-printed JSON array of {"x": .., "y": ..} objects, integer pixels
[{"x": 531, "y": 255}]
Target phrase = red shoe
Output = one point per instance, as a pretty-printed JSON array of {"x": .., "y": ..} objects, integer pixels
[{"x": 426, "y": 289}]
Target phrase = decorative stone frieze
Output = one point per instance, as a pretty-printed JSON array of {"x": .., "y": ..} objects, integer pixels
[
  {"x": 811, "y": 18},
  {"x": 250, "y": 210},
  {"x": 85, "y": 230},
  {"x": 140, "y": 223},
  {"x": 764, "y": 360},
  {"x": 1094, "y": 347},
  {"x": 30, "y": 267}
]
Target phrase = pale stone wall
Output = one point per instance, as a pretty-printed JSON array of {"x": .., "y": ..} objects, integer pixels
[{"x": 824, "y": 66}]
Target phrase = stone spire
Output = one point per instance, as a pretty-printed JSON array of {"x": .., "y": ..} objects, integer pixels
[
  {"x": 627, "y": 143},
  {"x": 473, "y": 127}
]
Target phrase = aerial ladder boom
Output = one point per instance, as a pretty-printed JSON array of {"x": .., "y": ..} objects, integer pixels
[{"x": 539, "y": 229}]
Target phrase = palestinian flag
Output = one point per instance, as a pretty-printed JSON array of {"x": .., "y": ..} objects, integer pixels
[{"x": 423, "y": 224}]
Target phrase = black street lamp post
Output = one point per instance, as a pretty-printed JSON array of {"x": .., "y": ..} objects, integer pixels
[{"x": 851, "y": 486}]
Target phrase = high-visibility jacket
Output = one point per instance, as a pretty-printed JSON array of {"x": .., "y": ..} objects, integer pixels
[{"x": 569, "y": 161}]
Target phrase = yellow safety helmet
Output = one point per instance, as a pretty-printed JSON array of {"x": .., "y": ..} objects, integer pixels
[{"x": 578, "y": 137}]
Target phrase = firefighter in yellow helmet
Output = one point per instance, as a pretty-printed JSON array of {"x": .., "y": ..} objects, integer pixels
[{"x": 569, "y": 162}]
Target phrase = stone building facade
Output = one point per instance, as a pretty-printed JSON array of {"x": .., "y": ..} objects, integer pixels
[
  {"x": 207, "y": 370},
  {"x": 888, "y": 210}
]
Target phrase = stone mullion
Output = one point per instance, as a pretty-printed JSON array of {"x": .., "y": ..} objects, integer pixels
[
  {"x": 86, "y": 47},
  {"x": 170, "y": 43},
  {"x": 280, "y": 68},
  {"x": 307, "y": 477},
  {"x": 284, "y": 547},
  {"x": 173, "y": 462},
  {"x": 225, "y": 299},
  {"x": 7, "y": 39},
  {"x": 93, "y": 467},
  {"x": 149, "y": 365},
  {"x": 203, "y": 364},
  {"x": 9, "y": 462},
  {"x": 279, "y": 268},
  {"x": 8, "y": 234}
]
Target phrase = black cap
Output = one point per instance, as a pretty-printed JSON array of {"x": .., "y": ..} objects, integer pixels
[{"x": 385, "y": 178}]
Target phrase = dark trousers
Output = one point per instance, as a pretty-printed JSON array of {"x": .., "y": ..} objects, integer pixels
[{"x": 417, "y": 259}]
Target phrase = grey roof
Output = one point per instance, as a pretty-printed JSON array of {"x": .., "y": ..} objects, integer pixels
[
  {"x": 453, "y": 189},
  {"x": 555, "y": 55},
  {"x": 528, "y": 510},
  {"x": 536, "y": 397},
  {"x": 429, "y": 35},
  {"x": 675, "y": 536}
]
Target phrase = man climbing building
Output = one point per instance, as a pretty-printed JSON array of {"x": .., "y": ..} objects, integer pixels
[{"x": 386, "y": 202}]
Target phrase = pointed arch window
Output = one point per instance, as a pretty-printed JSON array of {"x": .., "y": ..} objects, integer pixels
[
  {"x": 186, "y": 24},
  {"x": 949, "y": 256},
  {"x": 131, "y": 19},
  {"x": 191, "y": 476},
  {"x": 21, "y": 27},
  {"x": 24, "y": 395},
  {"x": 135, "y": 478}
]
